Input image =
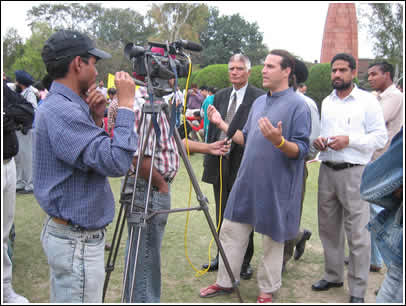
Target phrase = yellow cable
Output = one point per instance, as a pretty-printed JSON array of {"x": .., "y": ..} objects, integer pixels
[{"x": 198, "y": 272}]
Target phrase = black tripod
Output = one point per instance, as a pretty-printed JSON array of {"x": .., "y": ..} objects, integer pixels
[{"x": 136, "y": 218}]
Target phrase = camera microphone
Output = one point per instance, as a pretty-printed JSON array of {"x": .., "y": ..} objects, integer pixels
[
  {"x": 188, "y": 45},
  {"x": 131, "y": 51}
]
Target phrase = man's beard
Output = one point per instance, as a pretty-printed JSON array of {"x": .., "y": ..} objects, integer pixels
[{"x": 341, "y": 86}]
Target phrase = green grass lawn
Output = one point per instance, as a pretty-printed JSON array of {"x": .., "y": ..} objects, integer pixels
[{"x": 179, "y": 281}]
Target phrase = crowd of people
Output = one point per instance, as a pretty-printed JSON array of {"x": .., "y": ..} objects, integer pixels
[{"x": 70, "y": 135}]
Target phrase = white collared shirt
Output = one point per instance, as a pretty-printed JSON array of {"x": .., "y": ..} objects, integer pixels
[
  {"x": 240, "y": 96},
  {"x": 392, "y": 103},
  {"x": 358, "y": 116}
]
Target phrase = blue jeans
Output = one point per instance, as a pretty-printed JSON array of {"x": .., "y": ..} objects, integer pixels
[
  {"x": 147, "y": 285},
  {"x": 376, "y": 258},
  {"x": 76, "y": 262},
  {"x": 391, "y": 290}
]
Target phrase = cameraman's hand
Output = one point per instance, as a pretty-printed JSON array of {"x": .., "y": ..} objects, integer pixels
[
  {"x": 97, "y": 104},
  {"x": 125, "y": 89},
  {"x": 220, "y": 147}
]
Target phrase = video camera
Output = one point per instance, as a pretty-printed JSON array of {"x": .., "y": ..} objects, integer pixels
[{"x": 156, "y": 69}]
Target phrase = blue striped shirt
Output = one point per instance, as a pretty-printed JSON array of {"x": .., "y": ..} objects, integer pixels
[{"x": 72, "y": 158}]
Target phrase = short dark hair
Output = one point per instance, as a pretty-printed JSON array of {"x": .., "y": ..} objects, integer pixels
[
  {"x": 345, "y": 57},
  {"x": 59, "y": 68},
  {"x": 111, "y": 91},
  {"x": 203, "y": 87},
  {"x": 287, "y": 61},
  {"x": 212, "y": 90},
  {"x": 384, "y": 66},
  {"x": 47, "y": 81}
]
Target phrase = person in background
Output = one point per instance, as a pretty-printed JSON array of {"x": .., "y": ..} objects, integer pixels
[
  {"x": 8, "y": 185},
  {"x": 102, "y": 89},
  {"x": 299, "y": 243},
  {"x": 208, "y": 101},
  {"x": 23, "y": 159},
  {"x": 380, "y": 78},
  {"x": 302, "y": 88},
  {"x": 194, "y": 100},
  {"x": 352, "y": 128}
]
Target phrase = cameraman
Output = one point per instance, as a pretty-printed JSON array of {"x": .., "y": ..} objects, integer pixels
[
  {"x": 72, "y": 158},
  {"x": 10, "y": 98}
]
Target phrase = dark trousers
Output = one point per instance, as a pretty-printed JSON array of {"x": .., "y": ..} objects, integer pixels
[
  {"x": 290, "y": 244},
  {"x": 226, "y": 191}
]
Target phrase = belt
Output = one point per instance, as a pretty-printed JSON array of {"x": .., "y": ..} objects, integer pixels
[
  {"x": 64, "y": 222},
  {"x": 339, "y": 166}
]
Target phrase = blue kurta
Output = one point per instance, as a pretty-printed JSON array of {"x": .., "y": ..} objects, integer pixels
[{"x": 268, "y": 190}]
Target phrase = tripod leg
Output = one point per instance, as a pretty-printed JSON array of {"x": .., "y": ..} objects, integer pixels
[
  {"x": 140, "y": 226},
  {"x": 203, "y": 203},
  {"x": 115, "y": 245}
]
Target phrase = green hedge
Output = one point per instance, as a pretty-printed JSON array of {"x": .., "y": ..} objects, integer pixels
[
  {"x": 213, "y": 76},
  {"x": 319, "y": 83},
  {"x": 255, "y": 78}
]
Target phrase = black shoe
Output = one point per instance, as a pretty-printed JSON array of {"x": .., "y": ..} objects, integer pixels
[
  {"x": 246, "y": 271},
  {"x": 354, "y": 299},
  {"x": 300, "y": 246},
  {"x": 323, "y": 285},
  {"x": 214, "y": 265},
  {"x": 107, "y": 247},
  {"x": 25, "y": 191}
]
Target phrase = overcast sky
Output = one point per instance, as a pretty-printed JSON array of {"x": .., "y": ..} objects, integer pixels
[{"x": 294, "y": 26}]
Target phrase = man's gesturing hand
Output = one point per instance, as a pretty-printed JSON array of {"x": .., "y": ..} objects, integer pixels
[
  {"x": 273, "y": 134},
  {"x": 214, "y": 116}
]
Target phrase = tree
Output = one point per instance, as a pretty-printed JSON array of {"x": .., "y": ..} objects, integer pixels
[
  {"x": 31, "y": 60},
  {"x": 227, "y": 35},
  {"x": 384, "y": 22},
  {"x": 174, "y": 21},
  {"x": 13, "y": 48},
  {"x": 122, "y": 26},
  {"x": 72, "y": 16}
]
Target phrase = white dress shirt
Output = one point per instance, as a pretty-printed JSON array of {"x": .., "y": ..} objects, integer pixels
[
  {"x": 358, "y": 116},
  {"x": 240, "y": 96},
  {"x": 314, "y": 114},
  {"x": 392, "y": 102}
]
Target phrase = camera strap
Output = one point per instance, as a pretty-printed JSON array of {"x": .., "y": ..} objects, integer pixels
[
  {"x": 172, "y": 120},
  {"x": 154, "y": 119}
]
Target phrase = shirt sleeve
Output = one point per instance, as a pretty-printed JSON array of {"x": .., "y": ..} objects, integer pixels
[
  {"x": 301, "y": 128},
  {"x": 375, "y": 135},
  {"x": 79, "y": 142}
]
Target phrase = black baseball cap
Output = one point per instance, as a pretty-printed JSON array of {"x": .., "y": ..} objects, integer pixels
[{"x": 67, "y": 43}]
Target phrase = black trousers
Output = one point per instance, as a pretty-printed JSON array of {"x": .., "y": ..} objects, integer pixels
[
  {"x": 226, "y": 191},
  {"x": 291, "y": 244}
]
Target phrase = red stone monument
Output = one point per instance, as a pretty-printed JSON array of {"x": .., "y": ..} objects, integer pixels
[{"x": 340, "y": 32}]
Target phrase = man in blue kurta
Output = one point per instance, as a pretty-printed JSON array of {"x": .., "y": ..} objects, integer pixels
[{"x": 267, "y": 193}]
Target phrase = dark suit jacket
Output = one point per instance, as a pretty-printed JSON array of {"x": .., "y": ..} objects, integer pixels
[{"x": 232, "y": 164}]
